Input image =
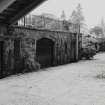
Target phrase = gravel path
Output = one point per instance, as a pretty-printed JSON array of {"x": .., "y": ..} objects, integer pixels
[{"x": 71, "y": 84}]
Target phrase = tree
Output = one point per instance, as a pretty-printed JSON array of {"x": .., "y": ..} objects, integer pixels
[
  {"x": 103, "y": 27},
  {"x": 73, "y": 17},
  {"x": 97, "y": 30},
  {"x": 63, "y": 15},
  {"x": 80, "y": 17},
  {"x": 77, "y": 16}
]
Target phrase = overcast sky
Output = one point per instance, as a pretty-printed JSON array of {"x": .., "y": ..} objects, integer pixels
[{"x": 93, "y": 10}]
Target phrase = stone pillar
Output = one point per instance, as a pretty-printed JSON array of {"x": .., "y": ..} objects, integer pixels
[
  {"x": 29, "y": 50},
  {"x": 55, "y": 53},
  {"x": 35, "y": 47},
  {"x": 3, "y": 30},
  {"x": 77, "y": 46}
]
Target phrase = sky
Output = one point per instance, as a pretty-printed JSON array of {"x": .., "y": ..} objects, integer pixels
[{"x": 93, "y": 10}]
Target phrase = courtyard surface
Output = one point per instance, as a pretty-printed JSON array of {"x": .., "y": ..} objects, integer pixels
[{"x": 71, "y": 84}]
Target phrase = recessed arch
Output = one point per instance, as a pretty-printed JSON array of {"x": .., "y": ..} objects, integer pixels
[
  {"x": 50, "y": 37},
  {"x": 1, "y": 58},
  {"x": 45, "y": 52}
]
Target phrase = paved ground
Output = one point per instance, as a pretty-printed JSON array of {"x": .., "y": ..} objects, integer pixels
[{"x": 72, "y": 84}]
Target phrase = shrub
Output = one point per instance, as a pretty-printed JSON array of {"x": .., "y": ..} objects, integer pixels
[{"x": 88, "y": 52}]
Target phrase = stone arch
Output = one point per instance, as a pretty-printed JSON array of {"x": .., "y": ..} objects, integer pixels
[
  {"x": 50, "y": 37},
  {"x": 45, "y": 52}
]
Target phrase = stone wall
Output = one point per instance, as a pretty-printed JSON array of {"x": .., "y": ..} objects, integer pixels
[{"x": 20, "y": 48}]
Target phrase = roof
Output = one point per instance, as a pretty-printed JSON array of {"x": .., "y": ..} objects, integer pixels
[{"x": 13, "y": 10}]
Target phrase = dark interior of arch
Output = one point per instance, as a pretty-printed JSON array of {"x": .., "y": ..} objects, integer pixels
[{"x": 44, "y": 52}]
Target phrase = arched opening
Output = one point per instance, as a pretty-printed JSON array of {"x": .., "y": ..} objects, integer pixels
[
  {"x": 44, "y": 52},
  {"x": 18, "y": 64},
  {"x": 65, "y": 47},
  {"x": 1, "y": 58}
]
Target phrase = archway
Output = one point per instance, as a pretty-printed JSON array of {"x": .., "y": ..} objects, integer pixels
[
  {"x": 44, "y": 52},
  {"x": 18, "y": 64},
  {"x": 1, "y": 58}
]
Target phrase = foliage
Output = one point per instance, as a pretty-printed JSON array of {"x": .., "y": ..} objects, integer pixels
[
  {"x": 97, "y": 30},
  {"x": 102, "y": 44},
  {"x": 63, "y": 15},
  {"x": 88, "y": 52},
  {"x": 77, "y": 16}
]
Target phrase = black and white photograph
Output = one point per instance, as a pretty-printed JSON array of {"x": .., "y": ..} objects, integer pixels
[{"x": 52, "y": 52}]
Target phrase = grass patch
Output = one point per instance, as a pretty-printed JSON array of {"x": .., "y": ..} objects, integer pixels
[{"x": 101, "y": 76}]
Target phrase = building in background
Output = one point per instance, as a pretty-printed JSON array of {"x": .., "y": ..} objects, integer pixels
[{"x": 48, "y": 21}]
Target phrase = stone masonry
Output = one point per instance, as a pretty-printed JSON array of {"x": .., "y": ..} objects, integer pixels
[{"x": 19, "y": 46}]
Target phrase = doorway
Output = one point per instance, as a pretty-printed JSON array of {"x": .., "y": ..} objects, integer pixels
[
  {"x": 1, "y": 58},
  {"x": 45, "y": 52},
  {"x": 18, "y": 64}
]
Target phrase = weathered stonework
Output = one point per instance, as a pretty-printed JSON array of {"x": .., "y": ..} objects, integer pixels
[{"x": 20, "y": 48}]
